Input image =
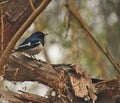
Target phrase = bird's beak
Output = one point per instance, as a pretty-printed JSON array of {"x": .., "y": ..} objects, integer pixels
[{"x": 46, "y": 34}]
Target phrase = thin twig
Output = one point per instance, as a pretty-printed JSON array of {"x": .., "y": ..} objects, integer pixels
[
  {"x": 11, "y": 44},
  {"x": 32, "y": 5},
  {"x": 110, "y": 55},
  {"x": 2, "y": 30},
  {"x": 3, "y": 2},
  {"x": 75, "y": 12}
]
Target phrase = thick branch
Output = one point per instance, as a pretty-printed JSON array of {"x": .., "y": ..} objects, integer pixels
[{"x": 24, "y": 97}]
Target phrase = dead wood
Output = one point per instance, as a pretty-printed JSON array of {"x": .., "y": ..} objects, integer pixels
[{"x": 71, "y": 83}]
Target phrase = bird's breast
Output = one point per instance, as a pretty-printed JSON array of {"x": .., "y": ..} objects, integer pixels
[{"x": 35, "y": 50}]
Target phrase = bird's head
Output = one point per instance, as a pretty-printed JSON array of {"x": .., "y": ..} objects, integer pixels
[{"x": 39, "y": 35}]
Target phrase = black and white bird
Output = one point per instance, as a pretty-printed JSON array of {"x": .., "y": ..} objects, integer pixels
[{"x": 33, "y": 44}]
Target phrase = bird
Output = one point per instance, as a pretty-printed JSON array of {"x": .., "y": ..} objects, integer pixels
[{"x": 33, "y": 44}]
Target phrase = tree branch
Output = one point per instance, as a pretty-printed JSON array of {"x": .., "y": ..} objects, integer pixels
[{"x": 22, "y": 97}]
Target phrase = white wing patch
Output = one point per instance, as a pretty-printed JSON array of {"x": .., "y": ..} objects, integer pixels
[
  {"x": 28, "y": 44},
  {"x": 38, "y": 42}
]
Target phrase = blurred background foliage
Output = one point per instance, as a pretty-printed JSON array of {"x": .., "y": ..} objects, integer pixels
[{"x": 67, "y": 42}]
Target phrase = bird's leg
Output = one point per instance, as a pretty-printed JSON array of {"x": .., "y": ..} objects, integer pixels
[{"x": 33, "y": 57}]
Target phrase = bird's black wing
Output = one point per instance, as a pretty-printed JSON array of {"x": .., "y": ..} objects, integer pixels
[{"x": 28, "y": 44}]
